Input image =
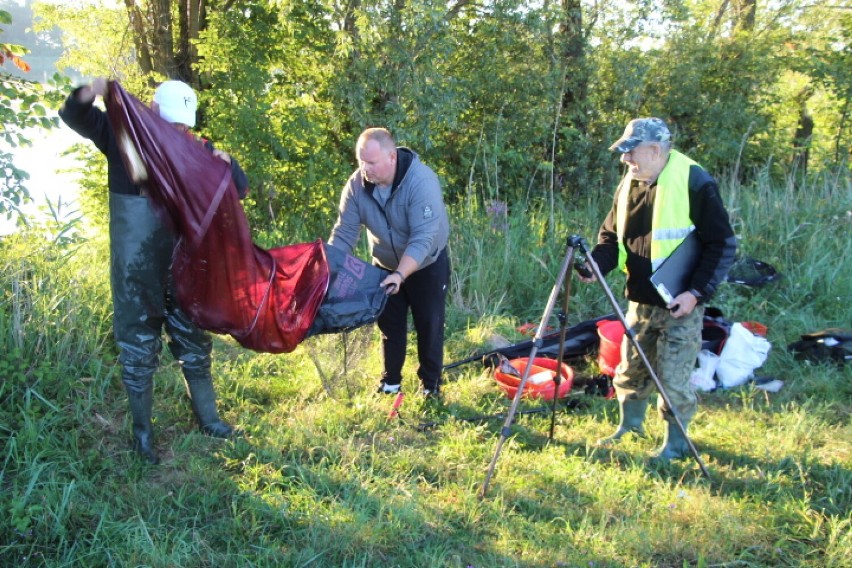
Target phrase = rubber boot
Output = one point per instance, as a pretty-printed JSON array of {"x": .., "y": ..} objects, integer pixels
[
  {"x": 675, "y": 445},
  {"x": 141, "y": 404},
  {"x": 203, "y": 400},
  {"x": 632, "y": 416}
]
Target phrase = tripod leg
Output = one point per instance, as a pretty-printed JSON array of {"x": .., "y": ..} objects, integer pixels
[
  {"x": 675, "y": 419},
  {"x": 563, "y": 325},
  {"x": 537, "y": 342}
]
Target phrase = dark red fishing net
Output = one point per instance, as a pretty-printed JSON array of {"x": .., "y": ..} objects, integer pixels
[{"x": 265, "y": 299}]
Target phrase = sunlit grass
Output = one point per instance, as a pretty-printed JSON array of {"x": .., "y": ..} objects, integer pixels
[{"x": 325, "y": 478}]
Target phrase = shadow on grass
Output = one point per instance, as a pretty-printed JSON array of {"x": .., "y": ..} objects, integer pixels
[
  {"x": 332, "y": 506},
  {"x": 315, "y": 513},
  {"x": 825, "y": 486}
]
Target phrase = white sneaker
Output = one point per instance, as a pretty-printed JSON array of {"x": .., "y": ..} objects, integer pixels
[{"x": 389, "y": 389}]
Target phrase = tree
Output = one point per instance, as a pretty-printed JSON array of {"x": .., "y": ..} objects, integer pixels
[
  {"x": 96, "y": 41},
  {"x": 506, "y": 99},
  {"x": 823, "y": 53},
  {"x": 269, "y": 68},
  {"x": 573, "y": 151},
  {"x": 705, "y": 69}
]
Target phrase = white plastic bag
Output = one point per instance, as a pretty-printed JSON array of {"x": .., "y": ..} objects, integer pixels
[
  {"x": 742, "y": 354},
  {"x": 541, "y": 377},
  {"x": 702, "y": 377}
]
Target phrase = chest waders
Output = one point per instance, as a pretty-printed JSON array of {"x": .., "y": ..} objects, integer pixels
[{"x": 143, "y": 303}]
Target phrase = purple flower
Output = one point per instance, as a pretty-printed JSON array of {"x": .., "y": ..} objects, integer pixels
[{"x": 498, "y": 213}]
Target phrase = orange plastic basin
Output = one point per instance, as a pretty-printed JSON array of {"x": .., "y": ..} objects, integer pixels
[{"x": 540, "y": 383}]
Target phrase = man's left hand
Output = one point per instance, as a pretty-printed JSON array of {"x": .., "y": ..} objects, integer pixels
[
  {"x": 392, "y": 283},
  {"x": 683, "y": 304},
  {"x": 222, "y": 155}
]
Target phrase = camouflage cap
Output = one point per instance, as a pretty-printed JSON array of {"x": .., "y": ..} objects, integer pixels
[{"x": 642, "y": 130}]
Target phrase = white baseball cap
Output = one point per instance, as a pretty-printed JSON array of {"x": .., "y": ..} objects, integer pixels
[{"x": 177, "y": 102}]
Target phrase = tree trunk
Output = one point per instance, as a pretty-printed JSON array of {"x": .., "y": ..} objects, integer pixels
[
  {"x": 350, "y": 27},
  {"x": 140, "y": 37},
  {"x": 574, "y": 60},
  {"x": 182, "y": 53},
  {"x": 743, "y": 17},
  {"x": 572, "y": 133},
  {"x": 162, "y": 39},
  {"x": 802, "y": 140},
  {"x": 746, "y": 13},
  {"x": 191, "y": 20},
  {"x": 159, "y": 46}
]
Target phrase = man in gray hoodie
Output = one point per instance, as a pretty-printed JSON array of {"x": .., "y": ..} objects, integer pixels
[{"x": 398, "y": 199}]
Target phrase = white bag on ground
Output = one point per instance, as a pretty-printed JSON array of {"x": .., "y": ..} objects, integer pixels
[
  {"x": 702, "y": 377},
  {"x": 742, "y": 354}
]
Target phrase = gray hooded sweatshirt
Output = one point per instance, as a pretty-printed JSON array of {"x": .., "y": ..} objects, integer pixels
[{"x": 412, "y": 222}]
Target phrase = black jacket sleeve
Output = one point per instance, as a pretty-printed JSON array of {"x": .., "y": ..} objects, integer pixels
[
  {"x": 86, "y": 120},
  {"x": 237, "y": 173},
  {"x": 710, "y": 218}
]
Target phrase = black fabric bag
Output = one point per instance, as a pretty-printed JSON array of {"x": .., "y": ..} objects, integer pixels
[
  {"x": 752, "y": 272},
  {"x": 580, "y": 340},
  {"x": 354, "y": 297},
  {"x": 828, "y": 345}
]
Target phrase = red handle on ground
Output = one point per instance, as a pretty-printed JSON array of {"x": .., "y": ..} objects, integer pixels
[{"x": 396, "y": 404}]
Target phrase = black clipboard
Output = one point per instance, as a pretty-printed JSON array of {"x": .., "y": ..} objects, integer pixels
[{"x": 674, "y": 275}]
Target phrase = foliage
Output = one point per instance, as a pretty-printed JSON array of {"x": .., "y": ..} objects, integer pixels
[
  {"x": 271, "y": 114},
  {"x": 826, "y": 59},
  {"x": 715, "y": 89},
  {"x": 504, "y": 99},
  {"x": 96, "y": 40},
  {"x": 498, "y": 145},
  {"x": 93, "y": 194},
  {"x": 12, "y": 52}
]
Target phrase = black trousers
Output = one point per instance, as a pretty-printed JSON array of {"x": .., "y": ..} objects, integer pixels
[{"x": 425, "y": 293}]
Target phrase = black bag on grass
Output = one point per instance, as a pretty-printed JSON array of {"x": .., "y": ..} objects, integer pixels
[
  {"x": 752, "y": 272},
  {"x": 832, "y": 344}
]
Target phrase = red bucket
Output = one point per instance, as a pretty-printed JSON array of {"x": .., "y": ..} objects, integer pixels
[
  {"x": 755, "y": 327},
  {"x": 611, "y": 333},
  {"x": 540, "y": 382}
]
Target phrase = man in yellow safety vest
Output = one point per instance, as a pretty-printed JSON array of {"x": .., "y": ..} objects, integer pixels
[{"x": 662, "y": 197}]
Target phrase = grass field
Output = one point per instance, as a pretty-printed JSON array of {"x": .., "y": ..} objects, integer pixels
[{"x": 324, "y": 478}]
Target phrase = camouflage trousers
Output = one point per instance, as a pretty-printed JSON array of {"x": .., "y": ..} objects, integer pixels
[{"x": 671, "y": 346}]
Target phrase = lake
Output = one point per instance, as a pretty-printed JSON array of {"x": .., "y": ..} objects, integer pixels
[{"x": 44, "y": 162}]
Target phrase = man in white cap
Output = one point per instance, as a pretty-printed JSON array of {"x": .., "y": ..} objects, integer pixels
[
  {"x": 176, "y": 102},
  {"x": 662, "y": 197},
  {"x": 141, "y": 248}
]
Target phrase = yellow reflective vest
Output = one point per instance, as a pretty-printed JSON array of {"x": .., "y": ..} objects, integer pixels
[{"x": 670, "y": 222}]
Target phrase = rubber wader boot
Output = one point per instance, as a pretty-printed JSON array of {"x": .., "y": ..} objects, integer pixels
[
  {"x": 632, "y": 417},
  {"x": 675, "y": 445},
  {"x": 141, "y": 404},
  {"x": 203, "y": 400}
]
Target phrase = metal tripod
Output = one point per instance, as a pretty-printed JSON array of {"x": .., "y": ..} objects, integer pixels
[{"x": 574, "y": 243}]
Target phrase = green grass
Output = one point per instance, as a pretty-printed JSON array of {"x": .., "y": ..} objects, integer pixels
[{"x": 323, "y": 478}]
